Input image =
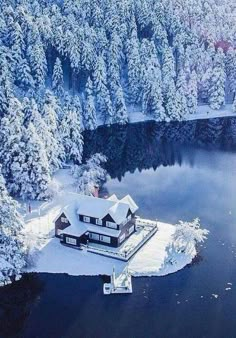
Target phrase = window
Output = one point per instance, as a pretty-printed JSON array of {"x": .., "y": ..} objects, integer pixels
[
  {"x": 98, "y": 221},
  {"x": 64, "y": 220},
  {"x": 86, "y": 219},
  {"x": 94, "y": 236},
  {"x": 122, "y": 238},
  {"x": 131, "y": 230},
  {"x": 70, "y": 240},
  {"x": 105, "y": 239},
  {"x": 111, "y": 225}
]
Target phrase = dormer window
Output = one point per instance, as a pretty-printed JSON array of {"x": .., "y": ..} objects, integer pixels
[
  {"x": 86, "y": 219},
  {"x": 98, "y": 221},
  {"x": 64, "y": 220}
]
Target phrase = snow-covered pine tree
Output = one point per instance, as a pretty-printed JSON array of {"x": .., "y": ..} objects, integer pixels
[
  {"x": 11, "y": 156},
  {"x": 181, "y": 100},
  {"x": 24, "y": 78},
  {"x": 57, "y": 78},
  {"x": 12, "y": 250},
  {"x": 192, "y": 99},
  {"x": 90, "y": 119},
  {"x": 102, "y": 93},
  {"x": 168, "y": 70},
  {"x": 35, "y": 173},
  {"x": 133, "y": 63},
  {"x": 6, "y": 88},
  {"x": 38, "y": 62},
  {"x": 120, "y": 111},
  {"x": 152, "y": 98},
  {"x": 231, "y": 69},
  {"x": 71, "y": 136},
  {"x": 217, "y": 85},
  {"x": 50, "y": 113}
]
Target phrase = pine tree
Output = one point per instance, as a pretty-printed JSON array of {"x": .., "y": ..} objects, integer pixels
[
  {"x": 38, "y": 63},
  {"x": 120, "y": 111},
  {"x": 57, "y": 78},
  {"x": 231, "y": 69},
  {"x": 11, "y": 155},
  {"x": 134, "y": 65},
  {"x": 35, "y": 173},
  {"x": 192, "y": 93},
  {"x": 89, "y": 107},
  {"x": 152, "y": 98},
  {"x": 12, "y": 250},
  {"x": 71, "y": 136},
  {"x": 181, "y": 100},
  {"x": 217, "y": 86},
  {"x": 24, "y": 78},
  {"x": 50, "y": 113},
  {"x": 102, "y": 93}
]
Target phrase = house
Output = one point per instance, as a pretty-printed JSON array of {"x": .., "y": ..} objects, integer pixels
[{"x": 97, "y": 220}]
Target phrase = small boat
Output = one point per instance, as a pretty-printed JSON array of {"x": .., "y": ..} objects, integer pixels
[{"x": 120, "y": 284}]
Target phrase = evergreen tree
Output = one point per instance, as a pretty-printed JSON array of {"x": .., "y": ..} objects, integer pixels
[
  {"x": 192, "y": 93},
  {"x": 24, "y": 78},
  {"x": 231, "y": 69},
  {"x": 89, "y": 107},
  {"x": 181, "y": 100},
  {"x": 152, "y": 98},
  {"x": 120, "y": 111},
  {"x": 102, "y": 93},
  {"x": 12, "y": 251},
  {"x": 134, "y": 65},
  {"x": 50, "y": 113},
  {"x": 35, "y": 173},
  {"x": 71, "y": 136},
  {"x": 11, "y": 155},
  {"x": 217, "y": 86},
  {"x": 57, "y": 78}
]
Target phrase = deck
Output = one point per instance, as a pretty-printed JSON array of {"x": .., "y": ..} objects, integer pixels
[{"x": 145, "y": 229}]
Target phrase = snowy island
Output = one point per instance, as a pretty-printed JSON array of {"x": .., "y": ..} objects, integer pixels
[{"x": 165, "y": 250}]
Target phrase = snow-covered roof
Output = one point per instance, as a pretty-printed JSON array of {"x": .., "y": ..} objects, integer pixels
[
  {"x": 113, "y": 198},
  {"x": 98, "y": 208},
  {"x": 129, "y": 200}
]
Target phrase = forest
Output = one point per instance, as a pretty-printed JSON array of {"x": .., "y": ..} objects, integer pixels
[{"x": 69, "y": 66}]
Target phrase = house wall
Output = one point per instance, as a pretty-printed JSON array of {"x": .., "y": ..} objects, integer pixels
[
  {"x": 114, "y": 241},
  {"x": 64, "y": 236},
  {"x": 107, "y": 218},
  {"x": 125, "y": 230},
  {"x": 60, "y": 225}
]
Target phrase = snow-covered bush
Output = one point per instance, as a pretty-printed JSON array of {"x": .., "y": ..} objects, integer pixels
[
  {"x": 187, "y": 235},
  {"x": 184, "y": 241},
  {"x": 90, "y": 174}
]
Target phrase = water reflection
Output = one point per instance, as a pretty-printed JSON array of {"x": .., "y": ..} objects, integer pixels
[{"x": 149, "y": 145}]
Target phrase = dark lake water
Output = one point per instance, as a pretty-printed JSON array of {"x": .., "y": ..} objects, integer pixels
[{"x": 173, "y": 171}]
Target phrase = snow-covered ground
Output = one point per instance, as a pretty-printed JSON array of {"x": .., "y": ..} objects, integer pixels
[
  {"x": 49, "y": 255},
  {"x": 203, "y": 112}
]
